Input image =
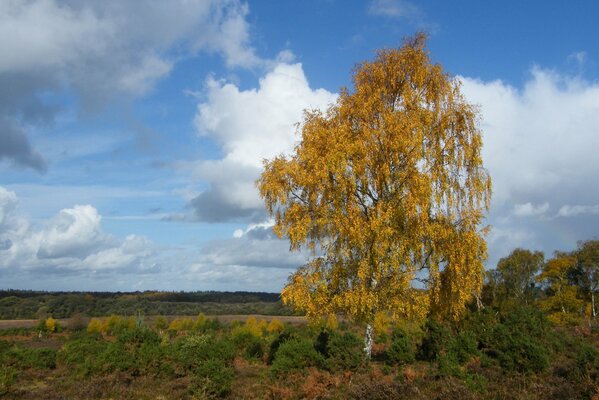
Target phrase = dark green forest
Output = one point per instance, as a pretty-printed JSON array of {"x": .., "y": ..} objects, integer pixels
[{"x": 26, "y": 304}]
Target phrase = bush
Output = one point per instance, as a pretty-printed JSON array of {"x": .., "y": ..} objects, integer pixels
[
  {"x": 345, "y": 352},
  {"x": 195, "y": 349},
  {"x": 213, "y": 379},
  {"x": 275, "y": 326},
  {"x": 517, "y": 351},
  {"x": 402, "y": 349},
  {"x": 276, "y": 343},
  {"x": 521, "y": 342},
  {"x": 463, "y": 346},
  {"x": 7, "y": 378},
  {"x": 22, "y": 358},
  {"x": 249, "y": 345},
  {"x": 295, "y": 354},
  {"x": 435, "y": 340}
]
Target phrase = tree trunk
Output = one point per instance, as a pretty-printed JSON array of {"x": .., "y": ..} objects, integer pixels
[
  {"x": 593, "y": 304},
  {"x": 368, "y": 340}
]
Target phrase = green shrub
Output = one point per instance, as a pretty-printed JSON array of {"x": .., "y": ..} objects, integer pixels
[
  {"x": 345, "y": 352},
  {"x": 516, "y": 350},
  {"x": 434, "y": 343},
  {"x": 276, "y": 343},
  {"x": 82, "y": 354},
  {"x": 296, "y": 354},
  {"x": 193, "y": 350},
  {"x": 213, "y": 378},
  {"x": 463, "y": 346},
  {"x": 20, "y": 357},
  {"x": 402, "y": 349},
  {"x": 248, "y": 344},
  {"x": 7, "y": 378}
]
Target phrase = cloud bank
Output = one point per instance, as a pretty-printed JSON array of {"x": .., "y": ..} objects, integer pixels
[
  {"x": 101, "y": 50},
  {"x": 71, "y": 243},
  {"x": 540, "y": 147}
]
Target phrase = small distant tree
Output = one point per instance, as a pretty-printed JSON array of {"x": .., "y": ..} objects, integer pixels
[
  {"x": 389, "y": 186},
  {"x": 516, "y": 274},
  {"x": 586, "y": 271},
  {"x": 561, "y": 302}
]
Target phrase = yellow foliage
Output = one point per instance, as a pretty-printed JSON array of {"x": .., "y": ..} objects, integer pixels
[
  {"x": 181, "y": 324},
  {"x": 389, "y": 184},
  {"x": 275, "y": 326},
  {"x": 331, "y": 323},
  {"x": 200, "y": 321},
  {"x": 95, "y": 326},
  {"x": 51, "y": 324},
  {"x": 255, "y": 327},
  {"x": 382, "y": 323}
]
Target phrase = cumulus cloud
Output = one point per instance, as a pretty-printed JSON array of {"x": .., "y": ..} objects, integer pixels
[
  {"x": 256, "y": 246},
  {"x": 71, "y": 242},
  {"x": 249, "y": 126},
  {"x": 101, "y": 50},
  {"x": 575, "y": 210},
  {"x": 539, "y": 147},
  {"x": 530, "y": 210}
]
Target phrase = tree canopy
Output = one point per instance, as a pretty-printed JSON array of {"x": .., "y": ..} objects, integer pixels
[{"x": 388, "y": 187}]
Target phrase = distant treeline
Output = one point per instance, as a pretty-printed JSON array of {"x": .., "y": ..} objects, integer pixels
[{"x": 28, "y": 304}]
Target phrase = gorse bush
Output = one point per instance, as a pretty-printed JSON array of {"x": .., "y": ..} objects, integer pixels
[
  {"x": 296, "y": 354},
  {"x": 402, "y": 349},
  {"x": 434, "y": 343},
  {"x": 345, "y": 352}
]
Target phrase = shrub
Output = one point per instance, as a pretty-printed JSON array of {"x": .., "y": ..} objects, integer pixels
[
  {"x": 7, "y": 378},
  {"x": 161, "y": 323},
  {"x": 275, "y": 326},
  {"x": 295, "y": 354},
  {"x": 463, "y": 346},
  {"x": 20, "y": 357},
  {"x": 195, "y": 349},
  {"x": 276, "y": 343},
  {"x": 345, "y": 352},
  {"x": 51, "y": 325},
  {"x": 402, "y": 349},
  {"x": 213, "y": 379},
  {"x": 95, "y": 326},
  {"x": 435, "y": 340},
  {"x": 249, "y": 345},
  {"x": 181, "y": 325}
]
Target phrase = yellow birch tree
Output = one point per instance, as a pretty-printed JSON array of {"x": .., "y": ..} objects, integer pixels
[{"x": 388, "y": 186}]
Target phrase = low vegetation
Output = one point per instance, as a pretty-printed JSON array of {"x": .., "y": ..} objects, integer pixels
[{"x": 490, "y": 353}]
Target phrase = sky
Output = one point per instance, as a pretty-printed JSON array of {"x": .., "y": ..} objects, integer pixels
[{"x": 132, "y": 132}]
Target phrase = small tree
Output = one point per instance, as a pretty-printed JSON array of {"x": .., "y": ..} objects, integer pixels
[
  {"x": 389, "y": 186},
  {"x": 561, "y": 302},
  {"x": 586, "y": 271},
  {"x": 517, "y": 274}
]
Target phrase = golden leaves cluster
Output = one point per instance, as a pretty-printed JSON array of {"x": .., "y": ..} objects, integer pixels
[{"x": 388, "y": 185}]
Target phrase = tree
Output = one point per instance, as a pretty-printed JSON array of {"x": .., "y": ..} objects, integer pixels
[
  {"x": 388, "y": 186},
  {"x": 562, "y": 304},
  {"x": 586, "y": 270},
  {"x": 517, "y": 274}
]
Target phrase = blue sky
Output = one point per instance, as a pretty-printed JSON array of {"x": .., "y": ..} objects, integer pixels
[{"x": 131, "y": 132}]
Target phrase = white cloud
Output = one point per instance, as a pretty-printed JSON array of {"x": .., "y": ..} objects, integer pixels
[
  {"x": 573, "y": 211},
  {"x": 100, "y": 51},
  {"x": 394, "y": 8},
  {"x": 71, "y": 242},
  {"x": 530, "y": 210},
  {"x": 539, "y": 146},
  {"x": 249, "y": 126}
]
